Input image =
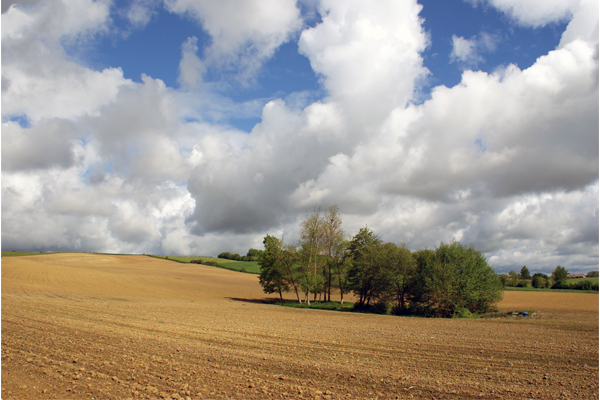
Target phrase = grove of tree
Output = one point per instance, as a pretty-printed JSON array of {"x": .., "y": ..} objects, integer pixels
[{"x": 450, "y": 280}]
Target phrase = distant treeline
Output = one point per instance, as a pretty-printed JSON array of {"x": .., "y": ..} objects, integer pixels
[
  {"x": 252, "y": 255},
  {"x": 452, "y": 280},
  {"x": 558, "y": 280}
]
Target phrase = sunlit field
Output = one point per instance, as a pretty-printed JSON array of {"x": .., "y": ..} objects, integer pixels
[{"x": 105, "y": 326}]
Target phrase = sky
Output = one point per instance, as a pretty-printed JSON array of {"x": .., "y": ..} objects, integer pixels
[{"x": 194, "y": 127}]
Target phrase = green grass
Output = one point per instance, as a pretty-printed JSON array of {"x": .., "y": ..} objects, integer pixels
[
  {"x": 593, "y": 280},
  {"x": 333, "y": 306},
  {"x": 19, "y": 253},
  {"x": 531, "y": 289},
  {"x": 250, "y": 267}
]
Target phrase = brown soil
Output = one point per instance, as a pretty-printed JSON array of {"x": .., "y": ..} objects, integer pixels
[{"x": 90, "y": 326}]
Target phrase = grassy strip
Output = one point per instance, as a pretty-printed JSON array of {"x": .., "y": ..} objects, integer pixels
[
  {"x": 349, "y": 307},
  {"x": 20, "y": 253},
  {"x": 577, "y": 280},
  {"x": 332, "y": 306},
  {"x": 532, "y": 289},
  {"x": 249, "y": 267}
]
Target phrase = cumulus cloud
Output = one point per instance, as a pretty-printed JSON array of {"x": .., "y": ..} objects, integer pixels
[
  {"x": 244, "y": 33},
  {"x": 468, "y": 52},
  {"x": 191, "y": 68},
  {"x": 465, "y": 50},
  {"x": 35, "y": 62},
  {"x": 6, "y": 4},
  {"x": 367, "y": 54},
  {"x": 533, "y": 13},
  {"x": 507, "y": 161},
  {"x": 140, "y": 12},
  {"x": 47, "y": 145}
]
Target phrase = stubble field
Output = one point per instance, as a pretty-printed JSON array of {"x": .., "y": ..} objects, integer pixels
[{"x": 96, "y": 326}]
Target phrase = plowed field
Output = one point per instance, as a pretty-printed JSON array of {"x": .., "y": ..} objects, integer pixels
[{"x": 94, "y": 326}]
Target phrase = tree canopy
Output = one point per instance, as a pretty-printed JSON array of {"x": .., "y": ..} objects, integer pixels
[{"x": 451, "y": 280}]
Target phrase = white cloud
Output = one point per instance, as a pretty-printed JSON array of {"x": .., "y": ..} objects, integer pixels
[
  {"x": 368, "y": 54},
  {"x": 191, "y": 68},
  {"x": 34, "y": 61},
  {"x": 533, "y": 13},
  {"x": 507, "y": 161},
  {"x": 465, "y": 50},
  {"x": 140, "y": 12},
  {"x": 468, "y": 52},
  {"x": 584, "y": 25},
  {"x": 244, "y": 33}
]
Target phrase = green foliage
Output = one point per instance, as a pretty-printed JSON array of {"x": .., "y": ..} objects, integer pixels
[
  {"x": 581, "y": 285},
  {"x": 504, "y": 278},
  {"x": 463, "y": 313},
  {"x": 401, "y": 270},
  {"x": 368, "y": 275},
  {"x": 253, "y": 254},
  {"x": 592, "y": 274},
  {"x": 560, "y": 285},
  {"x": 451, "y": 280},
  {"x": 272, "y": 275},
  {"x": 559, "y": 275},
  {"x": 525, "y": 273},
  {"x": 539, "y": 280},
  {"x": 513, "y": 278},
  {"x": 523, "y": 284},
  {"x": 454, "y": 277}
]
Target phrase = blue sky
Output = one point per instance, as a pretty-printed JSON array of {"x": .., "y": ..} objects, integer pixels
[
  {"x": 155, "y": 50},
  {"x": 193, "y": 128}
]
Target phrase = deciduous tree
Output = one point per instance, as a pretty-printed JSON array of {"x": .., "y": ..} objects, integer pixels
[
  {"x": 333, "y": 246},
  {"x": 311, "y": 246},
  {"x": 525, "y": 273},
  {"x": 272, "y": 275},
  {"x": 367, "y": 275}
]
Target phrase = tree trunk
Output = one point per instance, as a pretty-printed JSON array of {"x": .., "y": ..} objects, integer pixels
[{"x": 297, "y": 295}]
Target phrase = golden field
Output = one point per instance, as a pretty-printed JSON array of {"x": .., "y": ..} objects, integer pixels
[{"x": 83, "y": 326}]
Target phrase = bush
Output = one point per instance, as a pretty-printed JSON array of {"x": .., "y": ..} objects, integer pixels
[
  {"x": 454, "y": 277},
  {"x": 581, "y": 285},
  {"x": 538, "y": 281},
  {"x": 380, "y": 307},
  {"x": 595, "y": 287},
  {"x": 560, "y": 285},
  {"x": 463, "y": 313},
  {"x": 210, "y": 263},
  {"x": 523, "y": 284}
]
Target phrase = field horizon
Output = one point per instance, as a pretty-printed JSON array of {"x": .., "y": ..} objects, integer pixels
[{"x": 82, "y": 325}]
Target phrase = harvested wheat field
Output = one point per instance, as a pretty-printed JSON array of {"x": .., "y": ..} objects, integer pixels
[{"x": 86, "y": 326}]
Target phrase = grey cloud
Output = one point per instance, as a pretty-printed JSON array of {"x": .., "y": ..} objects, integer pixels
[
  {"x": 7, "y": 3},
  {"x": 48, "y": 144}
]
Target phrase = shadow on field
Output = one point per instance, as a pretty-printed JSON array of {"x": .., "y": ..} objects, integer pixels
[{"x": 259, "y": 301}]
